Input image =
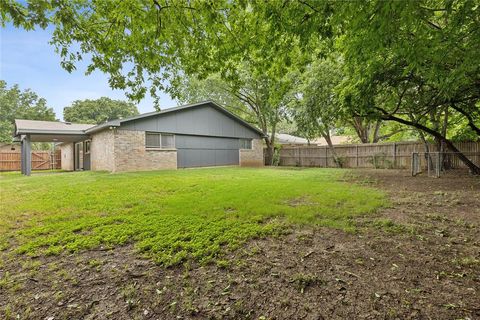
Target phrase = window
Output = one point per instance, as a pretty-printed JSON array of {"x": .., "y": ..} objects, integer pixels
[
  {"x": 245, "y": 144},
  {"x": 152, "y": 140},
  {"x": 168, "y": 141},
  {"x": 87, "y": 146},
  {"x": 159, "y": 140}
]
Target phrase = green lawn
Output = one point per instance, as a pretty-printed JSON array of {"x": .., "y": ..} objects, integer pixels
[{"x": 171, "y": 216}]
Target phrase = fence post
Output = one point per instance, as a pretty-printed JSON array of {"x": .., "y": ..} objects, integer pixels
[
  {"x": 326, "y": 157},
  {"x": 356, "y": 157},
  {"x": 394, "y": 155},
  {"x": 439, "y": 164}
]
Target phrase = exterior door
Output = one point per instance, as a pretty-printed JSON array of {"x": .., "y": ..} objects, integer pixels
[
  {"x": 202, "y": 151},
  {"x": 79, "y": 156},
  {"x": 86, "y": 155}
]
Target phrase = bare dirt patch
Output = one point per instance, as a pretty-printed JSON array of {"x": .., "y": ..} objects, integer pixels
[{"x": 417, "y": 259}]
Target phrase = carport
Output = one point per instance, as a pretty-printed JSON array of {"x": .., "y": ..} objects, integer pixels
[{"x": 28, "y": 131}]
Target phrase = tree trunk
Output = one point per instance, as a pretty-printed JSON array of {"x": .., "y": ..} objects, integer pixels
[
  {"x": 336, "y": 159},
  {"x": 427, "y": 156},
  {"x": 474, "y": 169},
  {"x": 427, "y": 148},
  {"x": 376, "y": 132},
  {"x": 269, "y": 152},
  {"x": 361, "y": 130}
]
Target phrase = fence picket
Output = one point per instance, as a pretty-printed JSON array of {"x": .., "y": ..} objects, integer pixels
[
  {"x": 380, "y": 155},
  {"x": 41, "y": 160}
]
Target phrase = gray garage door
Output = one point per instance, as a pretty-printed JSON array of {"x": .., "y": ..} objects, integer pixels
[{"x": 199, "y": 151}]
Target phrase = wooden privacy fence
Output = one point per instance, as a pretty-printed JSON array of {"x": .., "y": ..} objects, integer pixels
[
  {"x": 41, "y": 160},
  {"x": 396, "y": 155}
]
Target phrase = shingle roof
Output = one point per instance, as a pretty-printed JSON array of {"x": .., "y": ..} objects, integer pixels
[
  {"x": 36, "y": 126},
  {"x": 284, "y": 138}
]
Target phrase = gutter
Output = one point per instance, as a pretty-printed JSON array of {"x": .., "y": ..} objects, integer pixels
[{"x": 60, "y": 132}]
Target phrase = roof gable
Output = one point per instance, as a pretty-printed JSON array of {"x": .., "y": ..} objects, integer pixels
[{"x": 125, "y": 122}]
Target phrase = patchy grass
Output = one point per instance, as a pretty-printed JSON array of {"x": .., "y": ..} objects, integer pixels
[
  {"x": 303, "y": 281},
  {"x": 172, "y": 216}
]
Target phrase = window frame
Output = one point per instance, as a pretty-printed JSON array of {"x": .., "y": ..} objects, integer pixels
[
  {"x": 160, "y": 146},
  {"x": 87, "y": 146},
  {"x": 249, "y": 144},
  {"x": 173, "y": 140}
]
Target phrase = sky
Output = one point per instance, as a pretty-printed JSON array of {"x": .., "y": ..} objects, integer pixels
[{"x": 27, "y": 59}]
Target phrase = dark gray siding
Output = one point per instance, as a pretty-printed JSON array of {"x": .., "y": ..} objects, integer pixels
[
  {"x": 201, "y": 151},
  {"x": 203, "y": 120}
]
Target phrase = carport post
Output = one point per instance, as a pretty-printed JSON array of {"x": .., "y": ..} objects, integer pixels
[
  {"x": 26, "y": 156},
  {"x": 22, "y": 155}
]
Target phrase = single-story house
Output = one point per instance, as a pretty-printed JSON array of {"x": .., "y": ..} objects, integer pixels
[
  {"x": 283, "y": 138},
  {"x": 336, "y": 140},
  {"x": 9, "y": 147},
  {"x": 288, "y": 139},
  {"x": 195, "y": 135}
]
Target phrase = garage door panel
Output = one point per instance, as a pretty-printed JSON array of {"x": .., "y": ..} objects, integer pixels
[{"x": 196, "y": 151}]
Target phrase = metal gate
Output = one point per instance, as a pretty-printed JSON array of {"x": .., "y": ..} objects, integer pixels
[{"x": 202, "y": 151}]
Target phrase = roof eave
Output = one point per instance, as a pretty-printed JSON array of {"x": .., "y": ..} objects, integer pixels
[
  {"x": 51, "y": 132},
  {"x": 100, "y": 127}
]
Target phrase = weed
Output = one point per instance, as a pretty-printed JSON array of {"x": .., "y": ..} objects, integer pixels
[
  {"x": 466, "y": 261},
  {"x": 95, "y": 263},
  {"x": 390, "y": 226},
  {"x": 303, "y": 281},
  {"x": 5, "y": 280},
  {"x": 129, "y": 293},
  {"x": 223, "y": 264}
]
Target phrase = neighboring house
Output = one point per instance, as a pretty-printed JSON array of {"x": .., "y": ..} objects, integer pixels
[
  {"x": 335, "y": 140},
  {"x": 283, "y": 138},
  {"x": 195, "y": 135},
  {"x": 288, "y": 139},
  {"x": 9, "y": 147}
]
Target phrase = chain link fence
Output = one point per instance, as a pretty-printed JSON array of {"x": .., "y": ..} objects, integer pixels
[{"x": 436, "y": 164}]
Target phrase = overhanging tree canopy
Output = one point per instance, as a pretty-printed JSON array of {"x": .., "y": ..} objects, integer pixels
[
  {"x": 98, "y": 111},
  {"x": 17, "y": 104},
  {"x": 406, "y": 61},
  {"x": 413, "y": 62}
]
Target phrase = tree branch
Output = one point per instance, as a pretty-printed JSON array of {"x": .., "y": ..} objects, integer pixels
[
  {"x": 309, "y": 5},
  {"x": 469, "y": 118}
]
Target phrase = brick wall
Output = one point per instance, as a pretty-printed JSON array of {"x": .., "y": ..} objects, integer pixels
[
  {"x": 124, "y": 150},
  {"x": 131, "y": 154},
  {"x": 102, "y": 152},
  {"x": 66, "y": 151},
  {"x": 253, "y": 157}
]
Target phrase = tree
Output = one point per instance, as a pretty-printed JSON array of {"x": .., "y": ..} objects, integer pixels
[
  {"x": 145, "y": 45},
  {"x": 318, "y": 110},
  {"x": 17, "y": 104},
  {"x": 315, "y": 106},
  {"x": 98, "y": 111},
  {"x": 214, "y": 88},
  {"x": 255, "y": 97},
  {"x": 414, "y": 63},
  {"x": 151, "y": 46},
  {"x": 401, "y": 58}
]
